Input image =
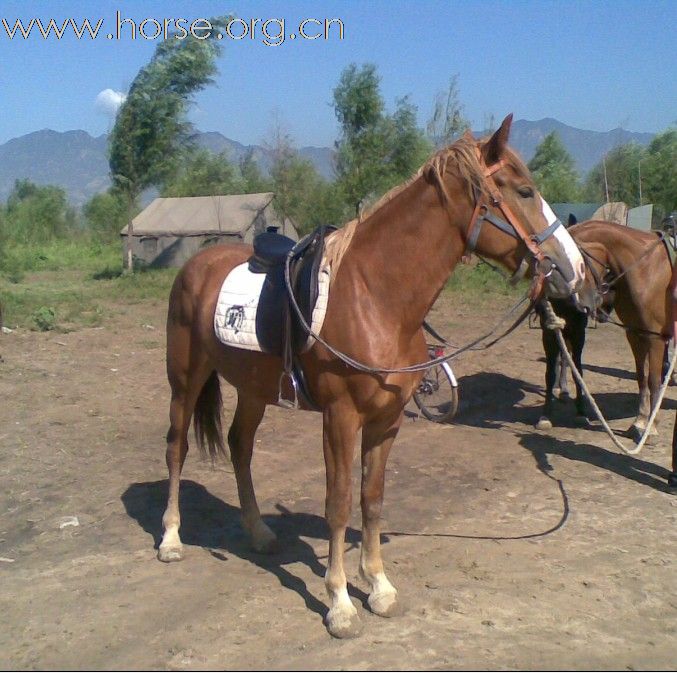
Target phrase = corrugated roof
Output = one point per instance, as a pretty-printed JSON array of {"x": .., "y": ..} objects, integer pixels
[{"x": 231, "y": 214}]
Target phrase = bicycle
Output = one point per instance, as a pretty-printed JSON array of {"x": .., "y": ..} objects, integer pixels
[{"x": 437, "y": 394}]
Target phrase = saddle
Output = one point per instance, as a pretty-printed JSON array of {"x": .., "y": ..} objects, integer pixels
[{"x": 278, "y": 329}]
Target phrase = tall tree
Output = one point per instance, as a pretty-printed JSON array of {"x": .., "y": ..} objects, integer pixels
[
  {"x": 363, "y": 148},
  {"x": 151, "y": 128},
  {"x": 553, "y": 171},
  {"x": 375, "y": 150},
  {"x": 447, "y": 121},
  {"x": 617, "y": 173},
  {"x": 253, "y": 180},
  {"x": 659, "y": 177},
  {"x": 410, "y": 147},
  {"x": 106, "y": 214}
]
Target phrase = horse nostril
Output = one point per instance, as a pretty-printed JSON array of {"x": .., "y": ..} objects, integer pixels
[{"x": 581, "y": 268}]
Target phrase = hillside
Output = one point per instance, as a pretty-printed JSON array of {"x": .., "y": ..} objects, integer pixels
[{"x": 78, "y": 162}]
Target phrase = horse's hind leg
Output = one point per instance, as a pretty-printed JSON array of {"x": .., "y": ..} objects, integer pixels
[
  {"x": 248, "y": 415},
  {"x": 376, "y": 442},
  {"x": 186, "y": 378},
  {"x": 672, "y": 477}
]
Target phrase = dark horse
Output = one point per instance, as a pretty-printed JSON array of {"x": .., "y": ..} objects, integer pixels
[
  {"x": 630, "y": 271},
  {"x": 400, "y": 256}
]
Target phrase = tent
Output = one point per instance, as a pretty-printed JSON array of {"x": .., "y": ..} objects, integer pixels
[{"x": 171, "y": 230}]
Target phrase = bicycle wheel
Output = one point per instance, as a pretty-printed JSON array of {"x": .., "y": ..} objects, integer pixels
[{"x": 437, "y": 394}]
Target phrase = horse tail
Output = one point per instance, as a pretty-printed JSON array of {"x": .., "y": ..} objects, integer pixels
[{"x": 207, "y": 419}]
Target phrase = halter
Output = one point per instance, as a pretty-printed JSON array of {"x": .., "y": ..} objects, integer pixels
[{"x": 544, "y": 266}]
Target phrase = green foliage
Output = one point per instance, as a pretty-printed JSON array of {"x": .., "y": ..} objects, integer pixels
[
  {"x": 375, "y": 151},
  {"x": 447, "y": 121},
  {"x": 300, "y": 192},
  {"x": 44, "y": 319},
  {"x": 410, "y": 148},
  {"x": 659, "y": 174},
  {"x": 253, "y": 181},
  {"x": 622, "y": 175},
  {"x": 204, "y": 174},
  {"x": 36, "y": 214},
  {"x": 553, "y": 171},
  {"x": 106, "y": 214},
  {"x": 151, "y": 129}
]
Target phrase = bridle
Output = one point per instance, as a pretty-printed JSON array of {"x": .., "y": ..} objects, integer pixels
[{"x": 543, "y": 264}]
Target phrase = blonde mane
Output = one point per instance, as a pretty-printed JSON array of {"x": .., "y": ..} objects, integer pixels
[{"x": 462, "y": 156}]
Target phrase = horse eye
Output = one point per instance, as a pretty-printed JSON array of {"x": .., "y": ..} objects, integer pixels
[{"x": 526, "y": 192}]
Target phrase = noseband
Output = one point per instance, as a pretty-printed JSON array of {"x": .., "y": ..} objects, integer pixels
[{"x": 543, "y": 265}]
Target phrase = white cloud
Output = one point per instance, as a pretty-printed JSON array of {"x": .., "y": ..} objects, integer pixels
[{"x": 108, "y": 102}]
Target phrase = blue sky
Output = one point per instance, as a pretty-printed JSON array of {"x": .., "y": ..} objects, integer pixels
[{"x": 594, "y": 65}]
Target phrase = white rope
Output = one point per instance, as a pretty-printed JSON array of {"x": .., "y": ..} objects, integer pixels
[{"x": 598, "y": 413}]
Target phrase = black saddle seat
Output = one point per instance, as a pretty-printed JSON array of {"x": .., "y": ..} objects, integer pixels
[{"x": 270, "y": 250}]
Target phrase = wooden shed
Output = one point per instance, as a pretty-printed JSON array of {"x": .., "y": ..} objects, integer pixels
[{"x": 171, "y": 230}]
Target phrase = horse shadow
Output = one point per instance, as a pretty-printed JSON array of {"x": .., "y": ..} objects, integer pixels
[
  {"x": 214, "y": 525},
  {"x": 631, "y": 467},
  {"x": 490, "y": 399}
]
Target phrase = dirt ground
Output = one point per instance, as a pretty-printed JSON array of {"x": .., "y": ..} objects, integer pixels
[{"x": 512, "y": 548}]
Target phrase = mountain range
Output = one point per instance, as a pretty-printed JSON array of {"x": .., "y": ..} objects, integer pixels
[{"x": 77, "y": 161}]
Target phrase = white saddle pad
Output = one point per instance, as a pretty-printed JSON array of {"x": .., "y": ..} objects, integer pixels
[{"x": 238, "y": 302}]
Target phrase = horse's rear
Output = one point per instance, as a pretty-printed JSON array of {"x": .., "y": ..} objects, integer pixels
[
  {"x": 194, "y": 359},
  {"x": 641, "y": 264}
]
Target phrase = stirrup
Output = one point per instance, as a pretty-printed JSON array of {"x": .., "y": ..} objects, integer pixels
[{"x": 281, "y": 401}]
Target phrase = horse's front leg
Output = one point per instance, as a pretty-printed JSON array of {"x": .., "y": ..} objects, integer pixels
[
  {"x": 377, "y": 438},
  {"x": 341, "y": 423},
  {"x": 640, "y": 349},
  {"x": 551, "y": 350}
]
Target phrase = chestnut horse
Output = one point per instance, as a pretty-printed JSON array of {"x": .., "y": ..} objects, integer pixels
[
  {"x": 632, "y": 271},
  {"x": 401, "y": 254}
]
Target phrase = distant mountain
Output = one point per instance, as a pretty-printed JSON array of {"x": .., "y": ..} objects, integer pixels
[
  {"x": 78, "y": 162},
  {"x": 586, "y": 147}
]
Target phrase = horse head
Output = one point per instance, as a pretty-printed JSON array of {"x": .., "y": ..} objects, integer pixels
[{"x": 525, "y": 235}]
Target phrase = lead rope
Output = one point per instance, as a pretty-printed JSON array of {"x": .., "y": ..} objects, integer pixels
[{"x": 555, "y": 323}]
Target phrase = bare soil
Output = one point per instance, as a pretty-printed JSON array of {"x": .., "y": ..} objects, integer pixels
[{"x": 511, "y": 547}]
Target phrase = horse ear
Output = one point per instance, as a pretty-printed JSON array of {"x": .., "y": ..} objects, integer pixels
[{"x": 493, "y": 149}]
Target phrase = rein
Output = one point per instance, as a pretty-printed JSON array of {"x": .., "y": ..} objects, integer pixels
[
  {"x": 480, "y": 214},
  {"x": 603, "y": 287},
  {"x": 579, "y": 378}
]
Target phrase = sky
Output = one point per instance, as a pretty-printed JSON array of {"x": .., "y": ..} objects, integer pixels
[{"x": 595, "y": 65}]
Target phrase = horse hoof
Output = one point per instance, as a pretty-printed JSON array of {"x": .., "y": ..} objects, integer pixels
[
  {"x": 385, "y": 605},
  {"x": 266, "y": 544},
  {"x": 544, "y": 423},
  {"x": 635, "y": 433},
  {"x": 672, "y": 480},
  {"x": 170, "y": 554},
  {"x": 342, "y": 625},
  {"x": 582, "y": 421}
]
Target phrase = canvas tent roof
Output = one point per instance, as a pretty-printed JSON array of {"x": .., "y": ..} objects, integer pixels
[{"x": 186, "y": 216}]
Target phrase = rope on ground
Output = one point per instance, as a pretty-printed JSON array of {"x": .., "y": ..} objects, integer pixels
[{"x": 555, "y": 326}]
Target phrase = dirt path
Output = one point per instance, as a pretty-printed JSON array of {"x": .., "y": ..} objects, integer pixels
[{"x": 512, "y": 548}]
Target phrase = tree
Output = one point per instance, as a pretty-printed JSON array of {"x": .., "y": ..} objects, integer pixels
[
  {"x": 659, "y": 177},
  {"x": 151, "y": 129},
  {"x": 363, "y": 148},
  {"x": 204, "y": 174},
  {"x": 618, "y": 173},
  {"x": 375, "y": 150},
  {"x": 106, "y": 214},
  {"x": 447, "y": 121},
  {"x": 410, "y": 147},
  {"x": 37, "y": 214},
  {"x": 553, "y": 171},
  {"x": 253, "y": 181}
]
